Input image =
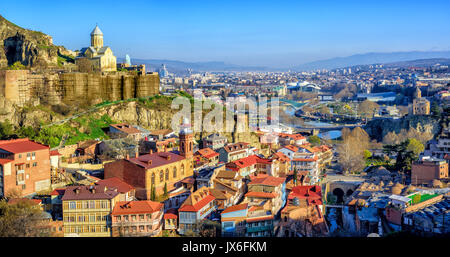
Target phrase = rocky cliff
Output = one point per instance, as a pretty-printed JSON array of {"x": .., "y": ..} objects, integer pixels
[
  {"x": 26, "y": 46},
  {"x": 378, "y": 128}
]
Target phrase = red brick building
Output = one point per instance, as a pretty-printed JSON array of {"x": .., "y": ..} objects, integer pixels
[
  {"x": 24, "y": 167},
  {"x": 425, "y": 171}
]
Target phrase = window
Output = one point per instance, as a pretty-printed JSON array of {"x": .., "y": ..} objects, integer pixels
[
  {"x": 72, "y": 205},
  {"x": 174, "y": 172},
  {"x": 133, "y": 217},
  {"x": 182, "y": 169},
  {"x": 92, "y": 218},
  {"x": 119, "y": 218},
  {"x": 92, "y": 204},
  {"x": 149, "y": 228},
  {"x": 125, "y": 217},
  {"x": 153, "y": 178},
  {"x": 149, "y": 216},
  {"x": 141, "y": 217},
  {"x": 85, "y": 204},
  {"x": 141, "y": 228},
  {"x": 78, "y": 205},
  {"x": 104, "y": 204},
  {"x": 167, "y": 174},
  {"x": 34, "y": 164},
  {"x": 99, "y": 217},
  {"x": 161, "y": 176}
]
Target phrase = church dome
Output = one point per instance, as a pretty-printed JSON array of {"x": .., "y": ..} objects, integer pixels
[
  {"x": 96, "y": 31},
  {"x": 185, "y": 127}
]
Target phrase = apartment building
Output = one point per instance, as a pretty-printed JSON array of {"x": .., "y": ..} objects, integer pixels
[
  {"x": 24, "y": 167},
  {"x": 137, "y": 218},
  {"x": 87, "y": 210},
  {"x": 198, "y": 206}
]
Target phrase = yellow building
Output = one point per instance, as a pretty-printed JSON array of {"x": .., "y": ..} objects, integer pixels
[
  {"x": 101, "y": 57},
  {"x": 87, "y": 210}
]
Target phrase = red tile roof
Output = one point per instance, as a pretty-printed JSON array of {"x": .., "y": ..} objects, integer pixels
[
  {"x": 261, "y": 195},
  {"x": 54, "y": 152},
  {"x": 114, "y": 182},
  {"x": 58, "y": 191},
  {"x": 264, "y": 179},
  {"x": 86, "y": 193},
  {"x": 21, "y": 145},
  {"x": 207, "y": 153},
  {"x": 150, "y": 161},
  {"x": 136, "y": 207},
  {"x": 313, "y": 194},
  {"x": 247, "y": 161},
  {"x": 293, "y": 136},
  {"x": 233, "y": 208},
  {"x": 171, "y": 214}
]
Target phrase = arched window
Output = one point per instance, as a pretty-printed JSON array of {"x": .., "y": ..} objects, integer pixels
[
  {"x": 161, "y": 176},
  {"x": 182, "y": 169},
  {"x": 167, "y": 174},
  {"x": 153, "y": 178},
  {"x": 174, "y": 172},
  {"x": 190, "y": 146}
]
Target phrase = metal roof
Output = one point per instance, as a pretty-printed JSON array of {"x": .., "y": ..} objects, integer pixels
[{"x": 96, "y": 31}]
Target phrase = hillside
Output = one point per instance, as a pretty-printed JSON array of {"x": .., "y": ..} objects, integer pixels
[
  {"x": 31, "y": 48},
  {"x": 370, "y": 58}
]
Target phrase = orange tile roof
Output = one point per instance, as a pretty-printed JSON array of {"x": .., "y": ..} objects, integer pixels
[
  {"x": 126, "y": 128},
  {"x": 135, "y": 207},
  {"x": 247, "y": 161},
  {"x": 261, "y": 195},
  {"x": 5, "y": 161},
  {"x": 233, "y": 208},
  {"x": 291, "y": 147},
  {"x": 54, "y": 153},
  {"x": 197, "y": 200},
  {"x": 306, "y": 159}
]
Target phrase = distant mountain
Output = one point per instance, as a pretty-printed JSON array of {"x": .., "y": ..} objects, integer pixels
[
  {"x": 181, "y": 67},
  {"x": 419, "y": 63},
  {"x": 370, "y": 58}
]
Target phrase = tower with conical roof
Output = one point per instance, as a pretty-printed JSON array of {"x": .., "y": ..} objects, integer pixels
[
  {"x": 97, "y": 38},
  {"x": 186, "y": 139}
]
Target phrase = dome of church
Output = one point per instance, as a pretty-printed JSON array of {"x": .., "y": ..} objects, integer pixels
[
  {"x": 185, "y": 127},
  {"x": 96, "y": 31}
]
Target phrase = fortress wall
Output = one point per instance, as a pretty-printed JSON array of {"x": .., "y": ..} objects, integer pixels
[{"x": 21, "y": 87}]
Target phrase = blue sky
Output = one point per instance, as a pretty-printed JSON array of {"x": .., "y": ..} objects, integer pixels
[{"x": 269, "y": 33}]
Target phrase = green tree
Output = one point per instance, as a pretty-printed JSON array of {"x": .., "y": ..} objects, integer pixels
[
  {"x": 415, "y": 146},
  {"x": 21, "y": 219},
  {"x": 314, "y": 140},
  {"x": 295, "y": 176},
  {"x": 165, "y": 189},
  {"x": 367, "y": 154},
  {"x": 6, "y": 130},
  {"x": 17, "y": 66}
]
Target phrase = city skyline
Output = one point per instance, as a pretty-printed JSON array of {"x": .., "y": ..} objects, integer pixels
[{"x": 280, "y": 34}]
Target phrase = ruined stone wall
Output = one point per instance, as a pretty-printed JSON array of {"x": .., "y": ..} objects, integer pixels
[{"x": 22, "y": 87}]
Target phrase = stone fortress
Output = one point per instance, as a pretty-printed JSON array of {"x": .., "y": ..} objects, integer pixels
[{"x": 25, "y": 87}]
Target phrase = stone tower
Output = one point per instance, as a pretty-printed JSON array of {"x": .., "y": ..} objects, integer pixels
[
  {"x": 186, "y": 140},
  {"x": 417, "y": 93},
  {"x": 97, "y": 38}
]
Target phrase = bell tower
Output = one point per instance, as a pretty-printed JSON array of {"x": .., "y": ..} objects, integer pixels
[
  {"x": 186, "y": 140},
  {"x": 97, "y": 38}
]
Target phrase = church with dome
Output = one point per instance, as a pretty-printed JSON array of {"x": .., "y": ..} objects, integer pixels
[{"x": 101, "y": 57}]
